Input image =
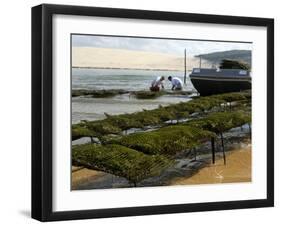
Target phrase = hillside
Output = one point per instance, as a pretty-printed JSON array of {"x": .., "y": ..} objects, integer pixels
[{"x": 239, "y": 55}]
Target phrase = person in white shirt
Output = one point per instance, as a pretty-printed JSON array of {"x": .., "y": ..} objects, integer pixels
[
  {"x": 176, "y": 83},
  {"x": 157, "y": 83}
]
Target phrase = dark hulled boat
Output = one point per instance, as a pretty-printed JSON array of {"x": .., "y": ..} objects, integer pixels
[{"x": 214, "y": 81}]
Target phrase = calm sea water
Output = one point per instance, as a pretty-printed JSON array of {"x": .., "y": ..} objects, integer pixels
[
  {"x": 120, "y": 78},
  {"x": 85, "y": 108}
]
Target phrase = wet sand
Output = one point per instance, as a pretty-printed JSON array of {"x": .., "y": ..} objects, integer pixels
[
  {"x": 84, "y": 175},
  {"x": 237, "y": 169},
  {"x": 85, "y": 108}
]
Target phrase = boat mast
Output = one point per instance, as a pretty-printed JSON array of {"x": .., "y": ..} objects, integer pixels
[{"x": 184, "y": 66}]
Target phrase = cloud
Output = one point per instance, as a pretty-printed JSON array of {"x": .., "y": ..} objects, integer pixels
[{"x": 170, "y": 46}]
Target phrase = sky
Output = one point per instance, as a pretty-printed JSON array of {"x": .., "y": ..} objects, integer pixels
[{"x": 175, "y": 47}]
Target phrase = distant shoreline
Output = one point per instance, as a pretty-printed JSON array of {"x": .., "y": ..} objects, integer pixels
[{"x": 117, "y": 68}]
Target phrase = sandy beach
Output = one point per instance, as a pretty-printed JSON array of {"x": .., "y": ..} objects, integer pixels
[
  {"x": 91, "y": 57},
  {"x": 237, "y": 169},
  {"x": 83, "y": 175}
]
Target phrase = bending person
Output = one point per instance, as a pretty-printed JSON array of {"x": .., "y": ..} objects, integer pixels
[
  {"x": 157, "y": 83},
  {"x": 176, "y": 83}
]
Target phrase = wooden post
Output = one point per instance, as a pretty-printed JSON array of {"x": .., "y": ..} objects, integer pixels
[
  {"x": 250, "y": 129},
  {"x": 213, "y": 150},
  {"x": 184, "y": 66},
  {"x": 222, "y": 145},
  {"x": 200, "y": 62}
]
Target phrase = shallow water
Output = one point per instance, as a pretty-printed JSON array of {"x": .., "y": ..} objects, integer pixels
[
  {"x": 84, "y": 78},
  {"x": 88, "y": 108}
]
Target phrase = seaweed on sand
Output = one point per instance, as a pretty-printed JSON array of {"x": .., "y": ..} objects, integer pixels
[
  {"x": 172, "y": 139},
  {"x": 178, "y": 92},
  {"x": 93, "y": 129},
  {"x": 103, "y": 127},
  {"x": 147, "y": 94},
  {"x": 119, "y": 160},
  {"x": 190, "y": 107},
  {"x": 79, "y": 92},
  {"x": 160, "y": 115},
  {"x": 233, "y": 97},
  {"x": 167, "y": 141},
  {"x": 98, "y": 93},
  {"x": 172, "y": 112},
  {"x": 124, "y": 121},
  {"x": 209, "y": 102},
  {"x": 221, "y": 122},
  {"x": 200, "y": 104},
  {"x": 79, "y": 131},
  {"x": 184, "y": 109},
  {"x": 116, "y": 123},
  {"x": 146, "y": 118},
  {"x": 106, "y": 93},
  {"x": 144, "y": 94}
]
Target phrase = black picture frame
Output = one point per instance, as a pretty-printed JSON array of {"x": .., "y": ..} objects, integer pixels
[{"x": 42, "y": 111}]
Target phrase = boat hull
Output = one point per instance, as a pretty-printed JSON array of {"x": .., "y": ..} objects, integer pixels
[{"x": 212, "y": 85}]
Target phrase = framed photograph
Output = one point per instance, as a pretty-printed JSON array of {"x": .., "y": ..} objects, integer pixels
[{"x": 146, "y": 112}]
